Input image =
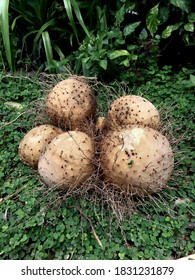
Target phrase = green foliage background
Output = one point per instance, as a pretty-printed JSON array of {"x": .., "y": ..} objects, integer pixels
[{"x": 93, "y": 36}]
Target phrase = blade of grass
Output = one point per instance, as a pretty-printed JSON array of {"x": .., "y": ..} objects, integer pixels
[
  {"x": 43, "y": 9},
  {"x": 59, "y": 51},
  {"x": 26, "y": 36},
  {"x": 4, "y": 24},
  {"x": 48, "y": 48},
  {"x": 14, "y": 22},
  {"x": 68, "y": 8},
  {"x": 41, "y": 30},
  {"x": 79, "y": 16},
  {"x": 21, "y": 9}
]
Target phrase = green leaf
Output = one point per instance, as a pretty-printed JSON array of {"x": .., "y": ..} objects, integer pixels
[
  {"x": 165, "y": 234},
  {"x": 167, "y": 219},
  {"x": 28, "y": 34},
  {"x": 169, "y": 29},
  {"x": 47, "y": 47},
  {"x": 192, "y": 79},
  {"x": 131, "y": 47},
  {"x": 41, "y": 30},
  {"x": 189, "y": 27},
  {"x": 102, "y": 20},
  {"x": 182, "y": 4},
  {"x": 60, "y": 227},
  {"x": 24, "y": 238},
  {"x": 192, "y": 236},
  {"x": 191, "y": 17},
  {"x": 130, "y": 28},
  {"x": 59, "y": 51},
  {"x": 164, "y": 14},
  {"x": 118, "y": 53},
  {"x": 68, "y": 7},
  {"x": 20, "y": 213},
  {"x": 126, "y": 63},
  {"x": 143, "y": 34},
  {"x": 120, "y": 15},
  {"x": 79, "y": 16},
  {"x": 85, "y": 60},
  {"x": 152, "y": 20},
  {"x": 133, "y": 56},
  {"x": 43, "y": 8},
  {"x": 4, "y": 26},
  {"x": 5, "y": 228},
  {"x": 113, "y": 33},
  {"x": 186, "y": 38},
  {"x": 72, "y": 6},
  {"x": 56, "y": 235},
  {"x": 121, "y": 256},
  {"x": 14, "y": 22},
  {"x": 62, "y": 237},
  {"x": 103, "y": 63}
]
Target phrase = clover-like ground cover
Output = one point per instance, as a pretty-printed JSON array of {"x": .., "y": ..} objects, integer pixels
[{"x": 39, "y": 224}]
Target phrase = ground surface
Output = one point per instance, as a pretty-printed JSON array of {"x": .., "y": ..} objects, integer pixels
[{"x": 37, "y": 224}]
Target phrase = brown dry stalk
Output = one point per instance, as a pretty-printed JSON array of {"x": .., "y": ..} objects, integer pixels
[
  {"x": 14, "y": 193},
  {"x": 91, "y": 225},
  {"x": 11, "y": 122}
]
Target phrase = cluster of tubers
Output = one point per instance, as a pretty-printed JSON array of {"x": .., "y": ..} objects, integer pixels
[{"x": 131, "y": 153}]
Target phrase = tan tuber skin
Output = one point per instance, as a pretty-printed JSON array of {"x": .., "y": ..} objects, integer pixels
[
  {"x": 67, "y": 161},
  {"x": 100, "y": 124},
  {"x": 139, "y": 160},
  {"x": 33, "y": 143},
  {"x": 70, "y": 103},
  {"x": 131, "y": 110}
]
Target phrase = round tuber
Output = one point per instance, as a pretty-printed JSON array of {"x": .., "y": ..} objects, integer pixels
[
  {"x": 67, "y": 161},
  {"x": 70, "y": 103},
  {"x": 138, "y": 160},
  {"x": 132, "y": 110},
  {"x": 33, "y": 143}
]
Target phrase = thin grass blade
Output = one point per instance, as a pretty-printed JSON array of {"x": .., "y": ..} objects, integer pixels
[
  {"x": 41, "y": 30},
  {"x": 20, "y": 8},
  {"x": 28, "y": 34},
  {"x": 43, "y": 9},
  {"x": 68, "y": 8},
  {"x": 48, "y": 48},
  {"x": 59, "y": 51},
  {"x": 4, "y": 24},
  {"x": 14, "y": 22},
  {"x": 79, "y": 17}
]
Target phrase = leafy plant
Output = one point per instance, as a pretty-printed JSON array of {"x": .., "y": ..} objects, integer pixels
[
  {"x": 107, "y": 48},
  {"x": 93, "y": 36},
  {"x": 170, "y": 17},
  {"x": 70, "y": 6},
  {"x": 36, "y": 24},
  {"x": 4, "y": 25},
  {"x": 40, "y": 18},
  {"x": 133, "y": 38}
]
